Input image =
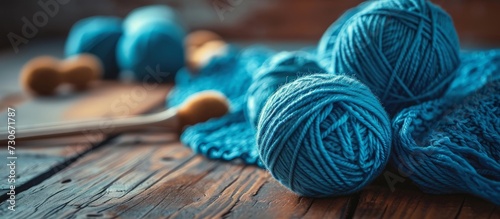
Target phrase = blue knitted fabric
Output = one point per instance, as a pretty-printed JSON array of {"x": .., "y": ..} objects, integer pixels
[
  {"x": 452, "y": 144},
  {"x": 231, "y": 75}
]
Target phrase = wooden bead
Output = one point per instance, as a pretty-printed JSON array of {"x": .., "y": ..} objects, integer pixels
[
  {"x": 197, "y": 38},
  {"x": 40, "y": 76},
  {"x": 202, "y": 56},
  {"x": 81, "y": 70},
  {"x": 194, "y": 41}
]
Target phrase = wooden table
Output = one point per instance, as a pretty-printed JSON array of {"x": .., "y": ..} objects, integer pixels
[{"x": 151, "y": 174}]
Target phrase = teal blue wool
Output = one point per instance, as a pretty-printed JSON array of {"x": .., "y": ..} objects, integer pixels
[
  {"x": 230, "y": 75},
  {"x": 152, "y": 44},
  {"x": 282, "y": 68},
  {"x": 324, "y": 135},
  {"x": 99, "y": 36},
  {"x": 451, "y": 145},
  {"x": 325, "y": 45},
  {"x": 405, "y": 51}
]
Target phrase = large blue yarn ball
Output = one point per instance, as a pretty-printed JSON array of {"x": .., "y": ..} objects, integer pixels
[
  {"x": 406, "y": 51},
  {"x": 324, "y": 135},
  {"x": 99, "y": 36},
  {"x": 280, "y": 69},
  {"x": 152, "y": 46}
]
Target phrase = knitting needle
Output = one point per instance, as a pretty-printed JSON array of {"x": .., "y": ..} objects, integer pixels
[{"x": 197, "y": 108}]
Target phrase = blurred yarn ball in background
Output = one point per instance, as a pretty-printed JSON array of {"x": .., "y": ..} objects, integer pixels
[
  {"x": 152, "y": 46},
  {"x": 98, "y": 36}
]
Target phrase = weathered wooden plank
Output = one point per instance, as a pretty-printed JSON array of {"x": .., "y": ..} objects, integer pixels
[
  {"x": 105, "y": 177},
  {"x": 474, "y": 207},
  {"x": 32, "y": 163},
  {"x": 272, "y": 200},
  {"x": 380, "y": 202},
  {"x": 150, "y": 176}
]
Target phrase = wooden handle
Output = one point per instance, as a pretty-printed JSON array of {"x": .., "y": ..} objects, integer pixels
[{"x": 166, "y": 119}]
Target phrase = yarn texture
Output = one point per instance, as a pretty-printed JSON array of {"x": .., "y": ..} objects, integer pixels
[
  {"x": 99, "y": 36},
  {"x": 451, "y": 145},
  {"x": 282, "y": 68},
  {"x": 405, "y": 51},
  {"x": 324, "y": 135},
  {"x": 327, "y": 41},
  {"x": 152, "y": 45}
]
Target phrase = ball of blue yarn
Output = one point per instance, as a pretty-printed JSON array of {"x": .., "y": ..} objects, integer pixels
[
  {"x": 406, "y": 51},
  {"x": 152, "y": 45},
  {"x": 280, "y": 69},
  {"x": 99, "y": 36},
  {"x": 324, "y": 135}
]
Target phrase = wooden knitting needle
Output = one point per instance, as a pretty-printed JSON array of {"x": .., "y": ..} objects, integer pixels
[{"x": 198, "y": 108}]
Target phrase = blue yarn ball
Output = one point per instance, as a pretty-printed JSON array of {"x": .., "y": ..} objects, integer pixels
[
  {"x": 324, "y": 135},
  {"x": 142, "y": 16},
  {"x": 152, "y": 46},
  {"x": 406, "y": 51},
  {"x": 99, "y": 36},
  {"x": 280, "y": 69}
]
